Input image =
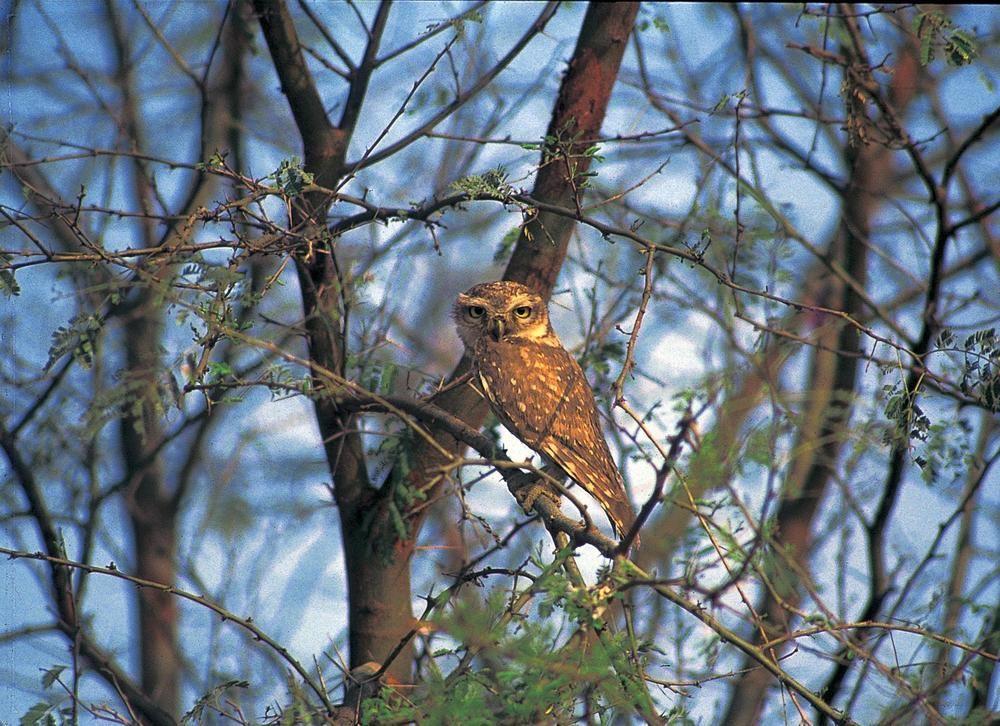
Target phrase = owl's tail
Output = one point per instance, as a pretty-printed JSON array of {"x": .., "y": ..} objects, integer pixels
[
  {"x": 615, "y": 504},
  {"x": 622, "y": 518}
]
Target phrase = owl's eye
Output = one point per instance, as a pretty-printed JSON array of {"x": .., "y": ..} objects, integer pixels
[
  {"x": 476, "y": 311},
  {"x": 523, "y": 311}
]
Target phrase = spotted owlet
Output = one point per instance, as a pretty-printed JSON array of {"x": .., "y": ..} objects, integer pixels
[{"x": 537, "y": 389}]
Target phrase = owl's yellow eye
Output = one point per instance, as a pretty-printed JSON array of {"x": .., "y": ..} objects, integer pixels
[
  {"x": 475, "y": 311},
  {"x": 523, "y": 311}
]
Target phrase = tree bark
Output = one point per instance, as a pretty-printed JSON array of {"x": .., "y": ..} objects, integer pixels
[
  {"x": 378, "y": 582},
  {"x": 576, "y": 121}
]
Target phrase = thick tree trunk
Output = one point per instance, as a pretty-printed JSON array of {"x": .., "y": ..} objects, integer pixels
[
  {"x": 152, "y": 512},
  {"x": 155, "y": 554}
]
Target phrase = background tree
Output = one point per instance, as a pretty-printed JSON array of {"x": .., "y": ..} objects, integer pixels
[{"x": 773, "y": 247}]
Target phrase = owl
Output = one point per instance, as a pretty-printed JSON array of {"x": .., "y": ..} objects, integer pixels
[{"x": 537, "y": 389}]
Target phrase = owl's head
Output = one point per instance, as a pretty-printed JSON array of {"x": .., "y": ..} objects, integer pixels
[{"x": 502, "y": 310}]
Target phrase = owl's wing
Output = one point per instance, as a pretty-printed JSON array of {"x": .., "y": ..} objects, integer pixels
[
  {"x": 541, "y": 395},
  {"x": 577, "y": 444}
]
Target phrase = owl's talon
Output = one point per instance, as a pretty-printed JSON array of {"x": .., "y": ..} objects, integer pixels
[{"x": 529, "y": 494}]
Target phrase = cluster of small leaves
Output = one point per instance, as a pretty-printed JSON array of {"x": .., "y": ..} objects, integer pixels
[
  {"x": 564, "y": 145},
  {"x": 135, "y": 396},
  {"x": 582, "y": 179},
  {"x": 759, "y": 449},
  {"x": 8, "y": 283},
  {"x": 699, "y": 248},
  {"x": 215, "y": 162},
  {"x": 78, "y": 338},
  {"x": 936, "y": 31},
  {"x": 381, "y": 377},
  {"x": 209, "y": 702},
  {"x": 939, "y": 446},
  {"x": 212, "y": 277},
  {"x": 857, "y": 96},
  {"x": 906, "y": 415},
  {"x": 945, "y": 449},
  {"x": 525, "y": 672},
  {"x": 220, "y": 294},
  {"x": 436, "y": 96},
  {"x": 936, "y": 446},
  {"x": 388, "y": 523},
  {"x": 218, "y": 371},
  {"x": 657, "y": 21},
  {"x": 46, "y": 714},
  {"x": 593, "y": 152},
  {"x": 404, "y": 495},
  {"x": 765, "y": 259},
  {"x": 980, "y": 372},
  {"x": 462, "y": 700},
  {"x": 707, "y": 462},
  {"x": 553, "y": 146},
  {"x": 724, "y": 102},
  {"x": 291, "y": 177},
  {"x": 282, "y": 382},
  {"x": 491, "y": 184},
  {"x": 232, "y": 515}
]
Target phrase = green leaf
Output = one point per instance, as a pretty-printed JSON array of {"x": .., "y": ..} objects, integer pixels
[
  {"x": 492, "y": 183},
  {"x": 8, "y": 284},
  {"x": 78, "y": 338},
  {"x": 397, "y": 521},
  {"x": 721, "y": 104},
  {"x": 38, "y": 715},
  {"x": 594, "y": 153},
  {"x": 935, "y": 30},
  {"x": 926, "y": 49},
  {"x": 961, "y": 49},
  {"x": 291, "y": 178},
  {"x": 218, "y": 369},
  {"x": 507, "y": 244},
  {"x": 51, "y": 676},
  {"x": 215, "y": 161}
]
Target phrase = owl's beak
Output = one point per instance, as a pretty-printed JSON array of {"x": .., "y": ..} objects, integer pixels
[{"x": 497, "y": 329}]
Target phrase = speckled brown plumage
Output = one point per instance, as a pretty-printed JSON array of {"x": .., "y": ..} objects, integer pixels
[{"x": 537, "y": 389}]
